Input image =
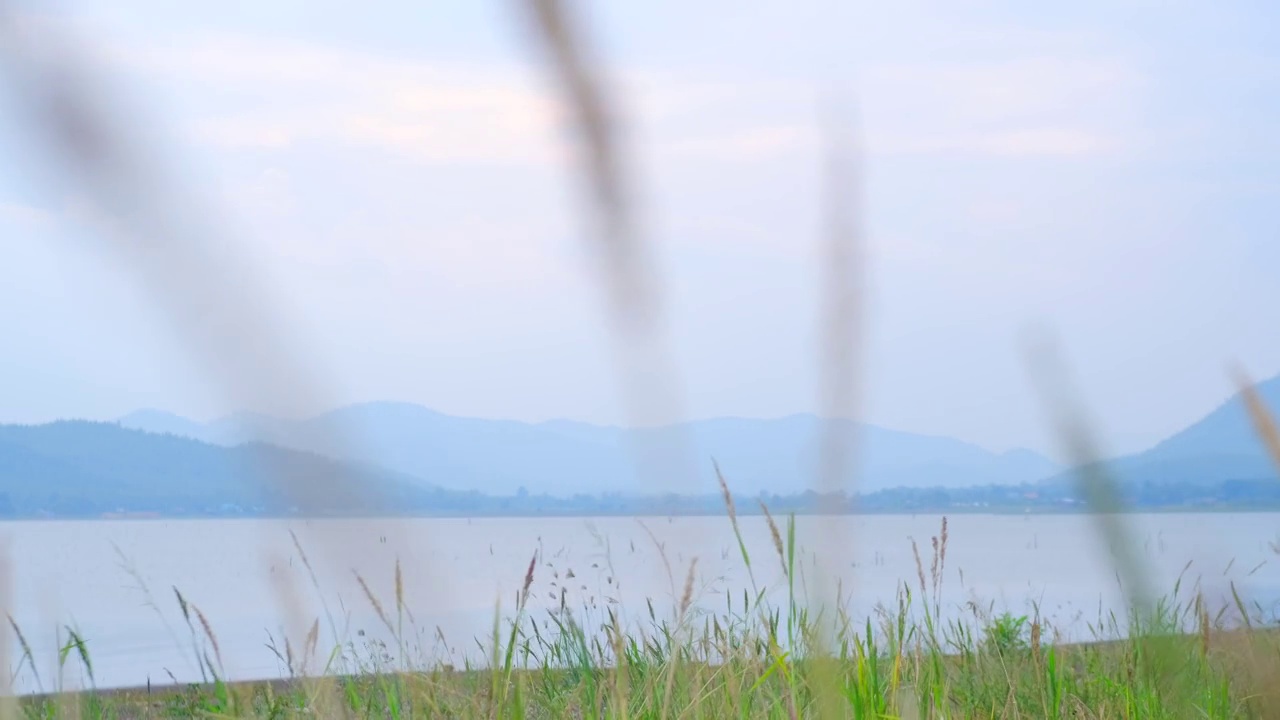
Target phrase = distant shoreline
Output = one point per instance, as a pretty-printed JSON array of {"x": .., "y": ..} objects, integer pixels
[{"x": 742, "y": 512}]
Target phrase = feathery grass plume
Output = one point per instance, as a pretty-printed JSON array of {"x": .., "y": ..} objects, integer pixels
[
  {"x": 185, "y": 608},
  {"x": 373, "y": 601},
  {"x": 733, "y": 521},
  {"x": 1101, "y": 494},
  {"x": 839, "y": 352},
  {"x": 288, "y": 657},
  {"x": 309, "y": 644},
  {"x": 401, "y": 607},
  {"x": 27, "y": 655},
  {"x": 915, "y": 552},
  {"x": 208, "y": 633},
  {"x": 687, "y": 597},
  {"x": 182, "y": 604},
  {"x": 1264, "y": 423},
  {"x": 943, "y": 557},
  {"x": 842, "y": 309},
  {"x": 728, "y": 496},
  {"x": 938, "y": 566},
  {"x": 528, "y": 579},
  {"x": 649, "y": 383},
  {"x": 1098, "y": 488},
  {"x": 231, "y": 696},
  {"x": 776, "y": 536},
  {"x": 602, "y": 169},
  {"x": 933, "y": 566}
]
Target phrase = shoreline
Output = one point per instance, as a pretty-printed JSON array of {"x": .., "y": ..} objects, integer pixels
[{"x": 745, "y": 511}]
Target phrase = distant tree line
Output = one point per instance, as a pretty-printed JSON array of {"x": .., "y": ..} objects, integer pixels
[{"x": 1242, "y": 494}]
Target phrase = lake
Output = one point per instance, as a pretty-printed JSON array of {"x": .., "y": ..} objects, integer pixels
[{"x": 114, "y": 580}]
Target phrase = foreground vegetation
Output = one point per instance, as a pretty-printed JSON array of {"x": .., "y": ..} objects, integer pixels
[{"x": 755, "y": 658}]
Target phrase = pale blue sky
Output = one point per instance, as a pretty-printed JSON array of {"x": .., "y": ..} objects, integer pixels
[{"x": 1109, "y": 168}]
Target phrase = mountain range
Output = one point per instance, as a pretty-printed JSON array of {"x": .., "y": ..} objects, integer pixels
[
  {"x": 396, "y": 458},
  {"x": 564, "y": 458}
]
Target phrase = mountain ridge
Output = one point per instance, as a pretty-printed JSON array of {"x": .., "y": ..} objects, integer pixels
[
  {"x": 1220, "y": 446},
  {"x": 566, "y": 457},
  {"x": 408, "y": 459},
  {"x": 87, "y": 467}
]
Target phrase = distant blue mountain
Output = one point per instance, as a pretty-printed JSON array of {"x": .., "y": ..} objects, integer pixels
[
  {"x": 78, "y": 468},
  {"x": 1226, "y": 431},
  {"x": 1222, "y": 446},
  {"x": 563, "y": 457},
  {"x": 163, "y": 423}
]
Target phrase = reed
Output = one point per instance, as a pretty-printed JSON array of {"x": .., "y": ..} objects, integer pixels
[{"x": 752, "y": 658}]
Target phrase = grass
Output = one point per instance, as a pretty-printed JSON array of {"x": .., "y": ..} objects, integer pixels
[
  {"x": 755, "y": 657},
  {"x": 752, "y": 658}
]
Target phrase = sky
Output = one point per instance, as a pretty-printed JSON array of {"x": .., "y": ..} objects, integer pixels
[{"x": 402, "y": 184}]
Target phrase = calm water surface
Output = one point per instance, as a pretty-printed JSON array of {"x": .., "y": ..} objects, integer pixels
[{"x": 115, "y": 580}]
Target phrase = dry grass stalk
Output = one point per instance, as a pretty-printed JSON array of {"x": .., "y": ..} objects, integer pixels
[
  {"x": 373, "y": 600},
  {"x": 528, "y": 580},
  {"x": 208, "y": 633},
  {"x": 687, "y": 597},
  {"x": 933, "y": 565},
  {"x": 1264, "y": 423},
  {"x": 399, "y": 589},
  {"x": 288, "y": 656},
  {"x": 25, "y": 646},
  {"x": 776, "y": 536},
  {"x": 602, "y": 169},
  {"x": 402, "y": 606},
  {"x": 841, "y": 327},
  {"x": 310, "y": 643},
  {"x": 728, "y": 496},
  {"x": 915, "y": 551},
  {"x": 943, "y": 557},
  {"x": 302, "y": 555}
]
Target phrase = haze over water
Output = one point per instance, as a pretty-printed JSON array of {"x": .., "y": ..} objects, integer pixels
[{"x": 91, "y": 575}]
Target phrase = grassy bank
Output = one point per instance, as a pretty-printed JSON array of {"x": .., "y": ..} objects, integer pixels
[
  {"x": 753, "y": 657},
  {"x": 1233, "y": 676}
]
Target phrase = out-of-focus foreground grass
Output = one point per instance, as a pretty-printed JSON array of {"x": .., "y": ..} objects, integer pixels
[{"x": 757, "y": 657}]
